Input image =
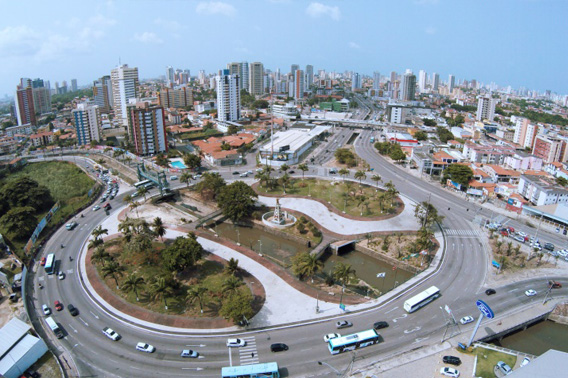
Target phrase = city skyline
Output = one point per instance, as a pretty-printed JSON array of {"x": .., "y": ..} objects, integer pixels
[{"x": 504, "y": 44}]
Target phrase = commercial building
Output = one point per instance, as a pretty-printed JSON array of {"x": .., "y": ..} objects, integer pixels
[
  {"x": 102, "y": 94},
  {"x": 124, "y": 81},
  {"x": 19, "y": 349},
  {"x": 435, "y": 82},
  {"x": 487, "y": 154},
  {"x": 376, "y": 80},
  {"x": 409, "y": 87},
  {"x": 287, "y": 147},
  {"x": 451, "y": 83},
  {"x": 286, "y": 111},
  {"x": 355, "y": 81},
  {"x": 298, "y": 84},
  {"x": 88, "y": 123},
  {"x": 228, "y": 96},
  {"x": 525, "y": 132},
  {"x": 485, "y": 108},
  {"x": 147, "y": 128},
  {"x": 422, "y": 81},
  {"x": 309, "y": 77},
  {"x": 175, "y": 98},
  {"x": 256, "y": 82}
]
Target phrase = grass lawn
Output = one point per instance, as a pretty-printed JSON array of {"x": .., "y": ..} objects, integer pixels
[
  {"x": 487, "y": 359},
  {"x": 343, "y": 195}
]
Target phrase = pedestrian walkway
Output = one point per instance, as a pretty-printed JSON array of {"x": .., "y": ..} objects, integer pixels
[
  {"x": 472, "y": 233},
  {"x": 248, "y": 354}
]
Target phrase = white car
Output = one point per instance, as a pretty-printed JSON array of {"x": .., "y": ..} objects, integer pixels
[
  {"x": 330, "y": 336},
  {"x": 466, "y": 319},
  {"x": 96, "y": 208},
  {"x": 525, "y": 362},
  {"x": 46, "y": 310},
  {"x": 530, "y": 293},
  {"x": 236, "y": 343},
  {"x": 189, "y": 353},
  {"x": 61, "y": 275},
  {"x": 108, "y": 332},
  {"x": 173, "y": 178},
  {"x": 143, "y": 347},
  {"x": 449, "y": 372},
  {"x": 521, "y": 233}
]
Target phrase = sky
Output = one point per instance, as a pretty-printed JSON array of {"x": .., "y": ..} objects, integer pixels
[{"x": 521, "y": 43}]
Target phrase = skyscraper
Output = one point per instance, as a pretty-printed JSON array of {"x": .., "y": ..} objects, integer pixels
[
  {"x": 228, "y": 96},
  {"x": 485, "y": 108},
  {"x": 422, "y": 81},
  {"x": 355, "y": 81},
  {"x": 41, "y": 95},
  {"x": 147, "y": 128},
  {"x": 435, "y": 82},
  {"x": 309, "y": 76},
  {"x": 25, "y": 110},
  {"x": 74, "y": 85},
  {"x": 87, "y": 123},
  {"x": 298, "y": 84},
  {"x": 294, "y": 68},
  {"x": 256, "y": 84},
  {"x": 408, "y": 87},
  {"x": 102, "y": 93},
  {"x": 376, "y": 80},
  {"x": 451, "y": 83},
  {"x": 170, "y": 78},
  {"x": 124, "y": 82}
]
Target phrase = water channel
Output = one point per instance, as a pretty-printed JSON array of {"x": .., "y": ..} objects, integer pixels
[{"x": 538, "y": 338}]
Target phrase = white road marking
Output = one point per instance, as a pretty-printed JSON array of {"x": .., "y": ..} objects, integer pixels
[
  {"x": 400, "y": 317},
  {"x": 407, "y": 331},
  {"x": 200, "y": 345},
  {"x": 72, "y": 328},
  {"x": 95, "y": 315},
  {"x": 391, "y": 310},
  {"x": 81, "y": 319}
]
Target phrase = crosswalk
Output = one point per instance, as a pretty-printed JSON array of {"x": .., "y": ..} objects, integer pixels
[
  {"x": 248, "y": 354},
  {"x": 472, "y": 233}
]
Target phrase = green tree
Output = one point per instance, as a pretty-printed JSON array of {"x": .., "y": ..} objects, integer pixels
[
  {"x": 192, "y": 161},
  {"x": 376, "y": 179},
  {"x": 232, "y": 130},
  {"x": 343, "y": 273},
  {"x": 237, "y": 306},
  {"x": 231, "y": 285},
  {"x": 284, "y": 168},
  {"x": 186, "y": 177},
  {"x": 303, "y": 167},
  {"x": 158, "y": 228},
  {"x": 182, "y": 253},
  {"x": 561, "y": 181},
  {"x": 25, "y": 192},
  {"x": 161, "y": 289},
  {"x": 360, "y": 175},
  {"x": 143, "y": 191},
  {"x": 99, "y": 231},
  {"x": 133, "y": 282},
  {"x": 284, "y": 180},
  {"x": 94, "y": 243},
  {"x": 232, "y": 267},
  {"x": 197, "y": 293},
  {"x": 114, "y": 270},
  {"x": 19, "y": 221},
  {"x": 421, "y": 135},
  {"x": 427, "y": 214},
  {"x": 237, "y": 200},
  {"x": 162, "y": 160},
  {"x": 100, "y": 255},
  {"x": 210, "y": 185},
  {"x": 305, "y": 264},
  {"x": 343, "y": 172},
  {"x": 459, "y": 173},
  {"x": 397, "y": 155},
  {"x": 444, "y": 134}
]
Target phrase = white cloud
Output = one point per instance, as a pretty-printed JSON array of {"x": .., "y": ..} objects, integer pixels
[
  {"x": 148, "y": 37},
  {"x": 430, "y": 30},
  {"x": 170, "y": 25},
  {"x": 216, "y": 7},
  {"x": 318, "y": 9},
  {"x": 354, "y": 45},
  {"x": 18, "y": 41}
]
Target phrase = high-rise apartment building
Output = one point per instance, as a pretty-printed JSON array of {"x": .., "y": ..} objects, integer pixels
[
  {"x": 376, "y": 80},
  {"x": 485, "y": 108},
  {"x": 170, "y": 76},
  {"x": 451, "y": 83},
  {"x": 102, "y": 94},
  {"x": 74, "y": 85},
  {"x": 299, "y": 84},
  {"x": 525, "y": 132},
  {"x": 124, "y": 82},
  {"x": 87, "y": 118},
  {"x": 175, "y": 98},
  {"x": 25, "y": 110},
  {"x": 309, "y": 76},
  {"x": 256, "y": 82},
  {"x": 355, "y": 81},
  {"x": 409, "y": 87},
  {"x": 550, "y": 149},
  {"x": 41, "y": 95},
  {"x": 435, "y": 82},
  {"x": 422, "y": 81},
  {"x": 228, "y": 96},
  {"x": 294, "y": 68},
  {"x": 147, "y": 128}
]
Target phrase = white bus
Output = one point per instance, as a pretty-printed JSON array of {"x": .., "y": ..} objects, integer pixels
[
  {"x": 54, "y": 327},
  {"x": 353, "y": 341},
  {"x": 50, "y": 264},
  {"x": 422, "y": 299},
  {"x": 142, "y": 183}
]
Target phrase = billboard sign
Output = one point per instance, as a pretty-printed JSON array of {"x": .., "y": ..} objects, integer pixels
[{"x": 485, "y": 309}]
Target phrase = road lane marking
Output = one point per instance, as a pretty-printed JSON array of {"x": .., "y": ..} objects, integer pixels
[
  {"x": 407, "y": 331},
  {"x": 391, "y": 310},
  {"x": 400, "y": 317},
  {"x": 70, "y": 326},
  {"x": 200, "y": 345},
  {"x": 96, "y": 316},
  {"x": 81, "y": 319}
]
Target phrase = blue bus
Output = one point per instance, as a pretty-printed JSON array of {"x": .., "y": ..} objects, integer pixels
[
  {"x": 353, "y": 341},
  {"x": 50, "y": 264},
  {"x": 266, "y": 370}
]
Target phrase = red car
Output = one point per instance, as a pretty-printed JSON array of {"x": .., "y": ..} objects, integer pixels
[
  {"x": 58, "y": 306},
  {"x": 42, "y": 262},
  {"x": 554, "y": 284}
]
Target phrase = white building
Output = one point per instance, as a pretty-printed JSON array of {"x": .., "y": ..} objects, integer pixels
[
  {"x": 228, "y": 97},
  {"x": 256, "y": 81},
  {"x": 376, "y": 81},
  {"x": 147, "y": 128},
  {"x": 287, "y": 147},
  {"x": 19, "y": 349},
  {"x": 87, "y": 123},
  {"x": 541, "y": 191},
  {"x": 124, "y": 81},
  {"x": 287, "y": 111},
  {"x": 485, "y": 108}
]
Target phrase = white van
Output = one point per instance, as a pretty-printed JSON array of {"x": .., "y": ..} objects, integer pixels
[
  {"x": 173, "y": 178},
  {"x": 245, "y": 174}
]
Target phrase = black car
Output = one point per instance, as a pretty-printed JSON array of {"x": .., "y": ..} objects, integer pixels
[
  {"x": 452, "y": 360},
  {"x": 278, "y": 347},
  {"x": 490, "y": 291},
  {"x": 291, "y": 172},
  {"x": 235, "y": 172},
  {"x": 379, "y": 325},
  {"x": 72, "y": 310},
  {"x": 549, "y": 246}
]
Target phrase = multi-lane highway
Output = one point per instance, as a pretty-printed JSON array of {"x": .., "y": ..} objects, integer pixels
[{"x": 460, "y": 279}]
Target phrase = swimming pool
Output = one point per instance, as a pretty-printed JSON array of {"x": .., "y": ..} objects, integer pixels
[{"x": 178, "y": 164}]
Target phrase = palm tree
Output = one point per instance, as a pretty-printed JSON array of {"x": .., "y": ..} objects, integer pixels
[
  {"x": 134, "y": 206},
  {"x": 360, "y": 175},
  {"x": 197, "y": 293},
  {"x": 231, "y": 285},
  {"x": 391, "y": 191},
  {"x": 232, "y": 266},
  {"x": 100, "y": 255},
  {"x": 284, "y": 180},
  {"x": 303, "y": 167},
  {"x": 284, "y": 168},
  {"x": 261, "y": 176},
  {"x": 114, "y": 270},
  {"x": 158, "y": 228},
  {"x": 361, "y": 200},
  {"x": 186, "y": 177},
  {"x": 161, "y": 289},
  {"x": 94, "y": 243},
  {"x": 311, "y": 264},
  {"x": 343, "y": 272},
  {"x": 132, "y": 283},
  {"x": 343, "y": 172},
  {"x": 99, "y": 231},
  {"x": 143, "y": 191},
  {"x": 376, "y": 179}
]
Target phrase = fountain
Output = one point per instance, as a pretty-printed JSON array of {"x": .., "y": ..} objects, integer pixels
[{"x": 278, "y": 218}]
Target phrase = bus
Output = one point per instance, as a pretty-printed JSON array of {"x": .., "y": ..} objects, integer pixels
[
  {"x": 50, "y": 264},
  {"x": 266, "y": 370},
  {"x": 142, "y": 183},
  {"x": 353, "y": 341},
  {"x": 54, "y": 327},
  {"x": 422, "y": 299}
]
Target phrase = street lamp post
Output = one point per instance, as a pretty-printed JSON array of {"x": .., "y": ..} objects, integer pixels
[
  {"x": 238, "y": 237},
  {"x": 260, "y": 251},
  {"x": 337, "y": 372}
]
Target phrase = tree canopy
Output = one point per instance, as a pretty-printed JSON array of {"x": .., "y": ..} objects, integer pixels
[
  {"x": 459, "y": 173},
  {"x": 344, "y": 156},
  {"x": 192, "y": 161},
  {"x": 25, "y": 192},
  {"x": 444, "y": 134},
  {"x": 182, "y": 253},
  {"x": 210, "y": 185},
  {"x": 237, "y": 306},
  {"x": 19, "y": 221},
  {"x": 237, "y": 200}
]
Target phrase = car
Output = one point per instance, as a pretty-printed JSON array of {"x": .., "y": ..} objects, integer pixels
[
  {"x": 173, "y": 178},
  {"x": 250, "y": 172},
  {"x": 278, "y": 347},
  {"x": 504, "y": 368},
  {"x": 71, "y": 225},
  {"x": 549, "y": 246},
  {"x": 197, "y": 176},
  {"x": 189, "y": 353},
  {"x": 109, "y": 332},
  {"x": 330, "y": 336},
  {"x": 521, "y": 233},
  {"x": 259, "y": 169},
  {"x": 291, "y": 172},
  {"x": 332, "y": 171},
  {"x": 244, "y": 174},
  {"x": 236, "y": 343},
  {"x": 61, "y": 275},
  {"x": 530, "y": 293},
  {"x": 490, "y": 291},
  {"x": 103, "y": 199},
  {"x": 97, "y": 207},
  {"x": 46, "y": 310},
  {"x": 554, "y": 284},
  {"x": 379, "y": 325},
  {"x": 72, "y": 310},
  {"x": 58, "y": 305},
  {"x": 343, "y": 324},
  {"x": 234, "y": 173},
  {"x": 143, "y": 347},
  {"x": 525, "y": 362},
  {"x": 519, "y": 238},
  {"x": 449, "y": 372},
  {"x": 466, "y": 319},
  {"x": 107, "y": 206},
  {"x": 42, "y": 261},
  {"x": 452, "y": 360}
]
